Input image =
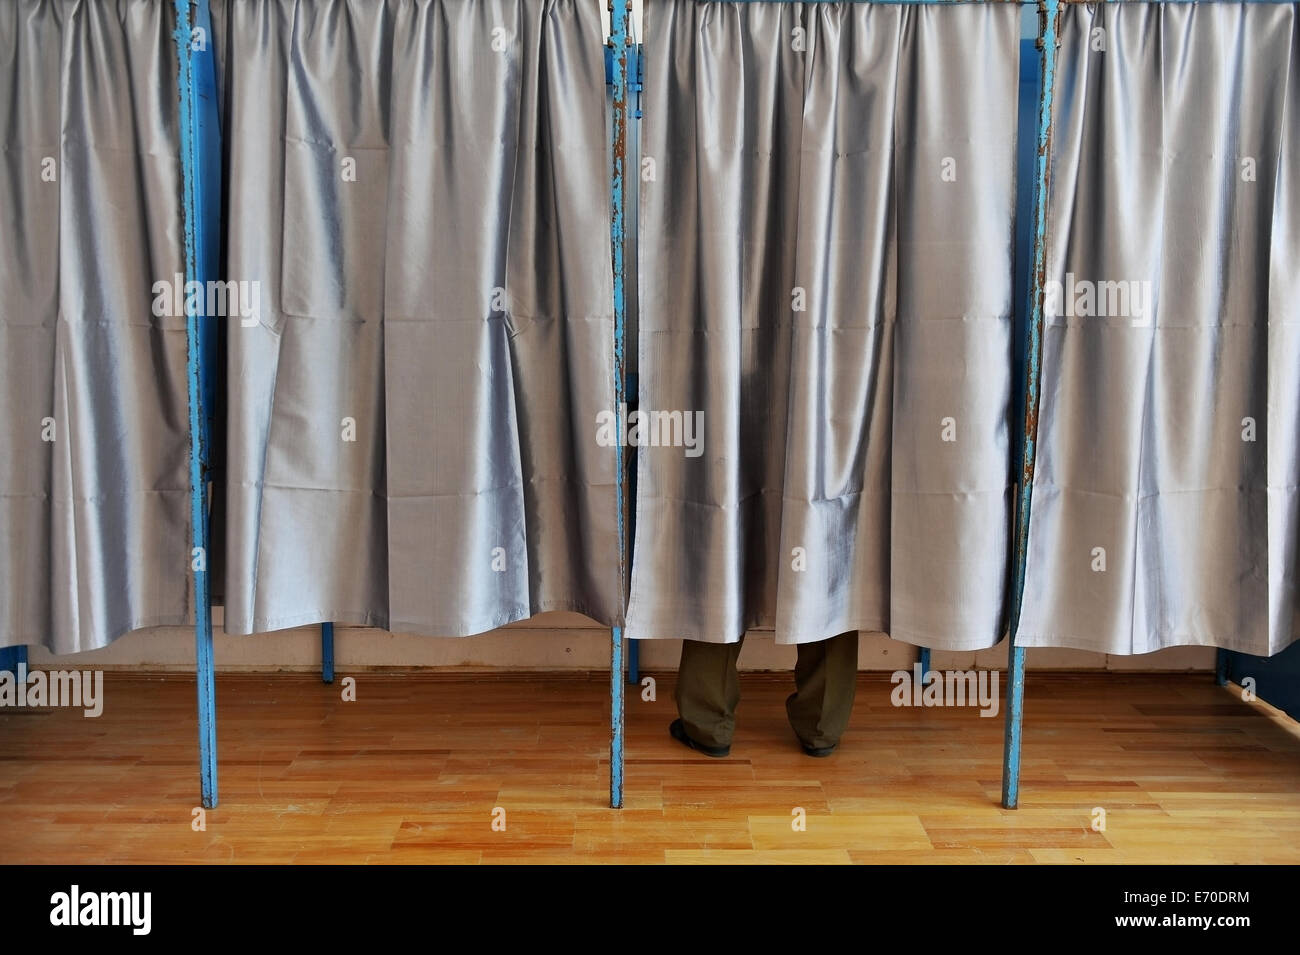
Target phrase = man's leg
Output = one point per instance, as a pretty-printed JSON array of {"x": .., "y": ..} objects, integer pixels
[
  {"x": 826, "y": 680},
  {"x": 708, "y": 690}
]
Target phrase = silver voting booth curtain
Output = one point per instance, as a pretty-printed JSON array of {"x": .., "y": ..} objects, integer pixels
[
  {"x": 826, "y": 270},
  {"x": 1164, "y": 506},
  {"x": 419, "y": 190},
  {"x": 94, "y": 487}
]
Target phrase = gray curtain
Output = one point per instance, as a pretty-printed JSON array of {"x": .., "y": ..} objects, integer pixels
[
  {"x": 419, "y": 189},
  {"x": 855, "y": 467},
  {"x": 1165, "y": 508},
  {"x": 94, "y": 487}
]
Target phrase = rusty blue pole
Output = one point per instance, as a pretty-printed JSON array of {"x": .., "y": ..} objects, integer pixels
[
  {"x": 1048, "y": 22},
  {"x": 618, "y": 44},
  {"x": 200, "y": 149}
]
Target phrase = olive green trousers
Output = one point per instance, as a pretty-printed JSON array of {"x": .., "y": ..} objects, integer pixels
[{"x": 825, "y": 680}]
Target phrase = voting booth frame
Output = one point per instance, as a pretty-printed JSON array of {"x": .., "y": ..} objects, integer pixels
[{"x": 200, "y": 145}]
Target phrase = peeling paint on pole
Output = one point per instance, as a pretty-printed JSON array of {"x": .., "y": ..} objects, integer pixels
[{"x": 618, "y": 40}]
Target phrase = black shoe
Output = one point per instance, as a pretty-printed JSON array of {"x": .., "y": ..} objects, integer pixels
[
  {"x": 678, "y": 732},
  {"x": 818, "y": 751}
]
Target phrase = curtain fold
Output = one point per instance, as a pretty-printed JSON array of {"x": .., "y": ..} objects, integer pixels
[
  {"x": 418, "y": 188},
  {"x": 1164, "y": 508},
  {"x": 826, "y": 269},
  {"x": 94, "y": 486}
]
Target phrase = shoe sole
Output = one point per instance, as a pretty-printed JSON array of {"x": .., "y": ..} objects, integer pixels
[{"x": 679, "y": 734}]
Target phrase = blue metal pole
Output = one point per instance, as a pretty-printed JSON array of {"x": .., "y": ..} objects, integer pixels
[
  {"x": 11, "y": 658},
  {"x": 1011, "y": 736},
  {"x": 1048, "y": 14},
  {"x": 618, "y": 43},
  {"x": 327, "y": 652},
  {"x": 924, "y": 659},
  {"x": 196, "y": 82}
]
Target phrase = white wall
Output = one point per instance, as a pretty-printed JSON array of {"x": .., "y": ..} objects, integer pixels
[{"x": 557, "y": 641}]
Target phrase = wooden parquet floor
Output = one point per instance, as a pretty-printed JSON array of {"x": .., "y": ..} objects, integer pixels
[{"x": 413, "y": 770}]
